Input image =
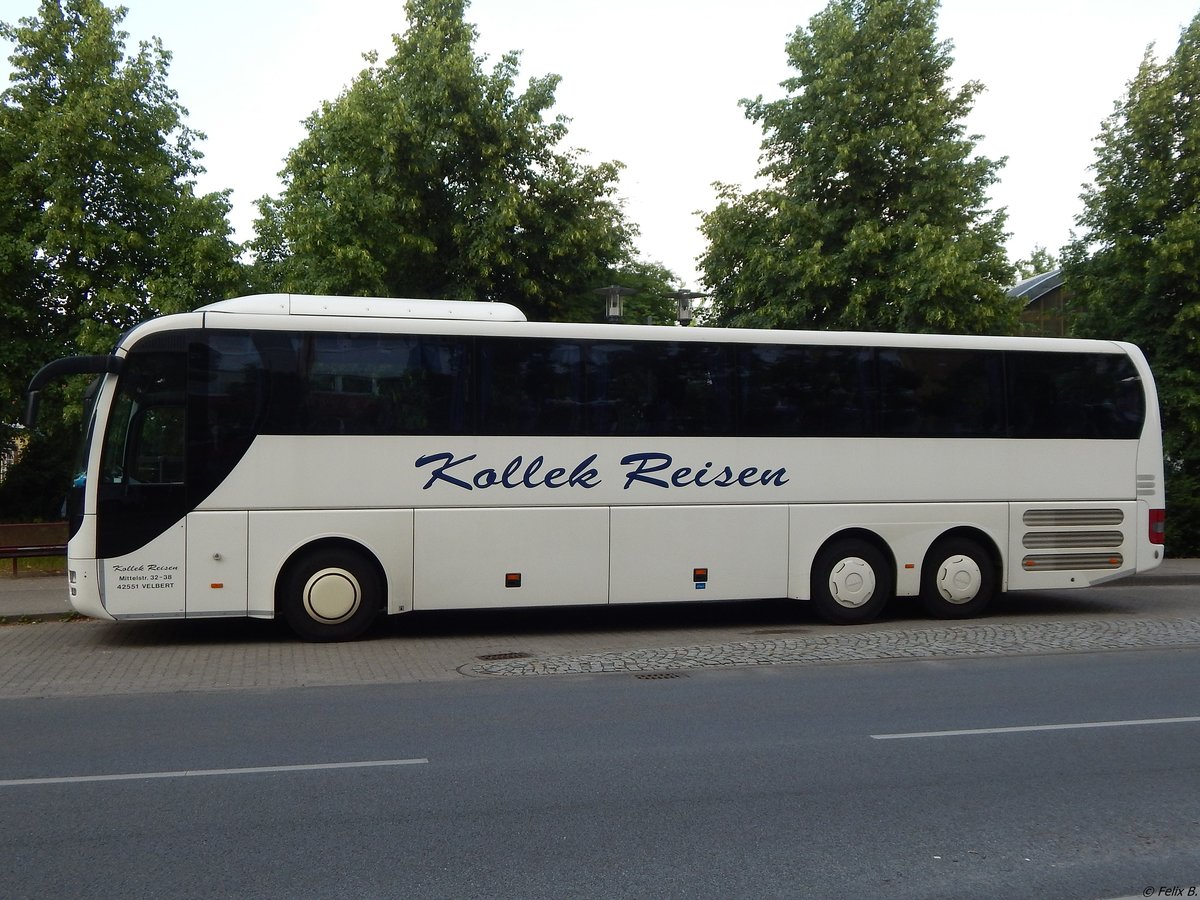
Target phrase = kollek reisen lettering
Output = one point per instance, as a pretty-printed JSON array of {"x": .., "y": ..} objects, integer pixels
[{"x": 652, "y": 469}]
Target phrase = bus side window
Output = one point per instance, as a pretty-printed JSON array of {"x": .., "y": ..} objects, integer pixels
[
  {"x": 1071, "y": 395},
  {"x": 156, "y": 447},
  {"x": 227, "y": 397},
  {"x": 807, "y": 391},
  {"x": 530, "y": 386},
  {"x": 926, "y": 392},
  {"x": 381, "y": 384},
  {"x": 660, "y": 388}
]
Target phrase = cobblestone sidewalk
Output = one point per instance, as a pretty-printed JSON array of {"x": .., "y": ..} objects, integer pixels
[
  {"x": 945, "y": 641},
  {"x": 79, "y": 659}
]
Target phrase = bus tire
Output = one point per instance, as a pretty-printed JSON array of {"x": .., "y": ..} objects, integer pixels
[
  {"x": 958, "y": 579},
  {"x": 331, "y": 594},
  {"x": 851, "y": 582}
]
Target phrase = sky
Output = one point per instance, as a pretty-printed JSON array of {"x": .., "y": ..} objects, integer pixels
[{"x": 655, "y": 84}]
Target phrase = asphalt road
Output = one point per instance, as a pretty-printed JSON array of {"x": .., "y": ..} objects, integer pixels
[{"x": 765, "y": 781}]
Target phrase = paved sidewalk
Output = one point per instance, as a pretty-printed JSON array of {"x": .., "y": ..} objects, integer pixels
[
  {"x": 44, "y": 597},
  {"x": 84, "y": 657},
  {"x": 34, "y": 597}
]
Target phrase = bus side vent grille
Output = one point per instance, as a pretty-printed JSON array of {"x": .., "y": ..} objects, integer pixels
[
  {"x": 1039, "y": 540},
  {"x": 1061, "y": 517},
  {"x": 1146, "y": 485},
  {"x": 1059, "y": 562}
]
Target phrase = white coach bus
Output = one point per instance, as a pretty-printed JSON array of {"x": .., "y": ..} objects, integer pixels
[{"x": 327, "y": 459}]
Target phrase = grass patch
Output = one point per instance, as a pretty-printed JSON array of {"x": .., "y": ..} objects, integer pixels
[{"x": 33, "y": 566}]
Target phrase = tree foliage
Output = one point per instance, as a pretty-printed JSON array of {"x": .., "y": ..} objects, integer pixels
[
  {"x": 874, "y": 214},
  {"x": 1133, "y": 271},
  {"x": 100, "y": 225},
  {"x": 430, "y": 177},
  {"x": 1040, "y": 260}
]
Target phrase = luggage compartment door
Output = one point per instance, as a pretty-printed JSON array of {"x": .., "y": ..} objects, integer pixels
[
  {"x": 699, "y": 553},
  {"x": 471, "y": 558}
]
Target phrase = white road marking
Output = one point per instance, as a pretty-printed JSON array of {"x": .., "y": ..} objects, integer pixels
[
  {"x": 1020, "y": 728},
  {"x": 204, "y": 773}
]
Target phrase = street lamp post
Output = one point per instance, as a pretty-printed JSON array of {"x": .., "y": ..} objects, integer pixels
[
  {"x": 614, "y": 300},
  {"x": 683, "y": 304}
]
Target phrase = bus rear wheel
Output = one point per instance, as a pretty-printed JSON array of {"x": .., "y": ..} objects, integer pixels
[
  {"x": 851, "y": 582},
  {"x": 958, "y": 579},
  {"x": 331, "y": 594}
]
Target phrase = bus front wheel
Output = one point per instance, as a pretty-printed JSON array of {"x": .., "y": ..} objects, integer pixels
[
  {"x": 851, "y": 582},
  {"x": 958, "y": 579},
  {"x": 331, "y": 594}
]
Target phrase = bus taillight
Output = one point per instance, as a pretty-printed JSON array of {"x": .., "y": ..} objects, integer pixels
[{"x": 1158, "y": 526}]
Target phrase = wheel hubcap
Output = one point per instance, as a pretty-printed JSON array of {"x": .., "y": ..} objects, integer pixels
[
  {"x": 959, "y": 579},
  {"x": 852, "y": 582},
  {"x": 332, "y": 596}
]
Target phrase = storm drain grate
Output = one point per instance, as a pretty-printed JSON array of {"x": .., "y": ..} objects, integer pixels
[
  {"x": 658, "y": 676},
  {"x": 494, "y": 657},
  {"x": 776, "y": 631}
]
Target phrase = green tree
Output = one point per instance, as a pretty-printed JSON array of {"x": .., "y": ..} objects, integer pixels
[
  {"x": 1040, "y": 260},
  {"x": 874, "y": 214},
  {"x": 429, "y": 177},
  {"x": 1133, "y": 270},
  {"x": 100, "y": 224}
]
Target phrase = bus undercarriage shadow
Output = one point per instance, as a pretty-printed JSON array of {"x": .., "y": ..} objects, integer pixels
[{"x": 723, "y": 620}]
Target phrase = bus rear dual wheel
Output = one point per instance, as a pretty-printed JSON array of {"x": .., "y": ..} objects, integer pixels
[
  {"x": 958, "y": 579},
  {"x": 331, "y": 594},
  {"x": 852, "y": 580}
]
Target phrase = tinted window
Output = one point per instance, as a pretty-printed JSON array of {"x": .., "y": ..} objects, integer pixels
[
  {"x": 940, "y": 393},
  {"x": 659, "y": 388},
  {"x": 1068, "y": 395},
  {"x": 415, "y": 384},
  {"x": 227, "y": 395},
  {"x": 383, "y": 384},
  {"x": 144, "y": 440},
  {"x": 530, "y": 386},
  {"x": 790, "y": 391},
  {"x": 142, "y": 490}
]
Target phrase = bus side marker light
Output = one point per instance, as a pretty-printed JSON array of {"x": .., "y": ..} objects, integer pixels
[
  {"x": 217, "y": 585},
  {"x": 512, "y": 580}
]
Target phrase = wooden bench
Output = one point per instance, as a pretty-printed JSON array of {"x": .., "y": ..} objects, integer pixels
[{"x": 22, "y": 540}]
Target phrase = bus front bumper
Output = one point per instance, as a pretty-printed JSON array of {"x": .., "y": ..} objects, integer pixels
[{"x": 83, "y": 585}]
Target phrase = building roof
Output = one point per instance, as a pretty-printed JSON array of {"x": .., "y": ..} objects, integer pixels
[{"x": 1036, "y": 287}]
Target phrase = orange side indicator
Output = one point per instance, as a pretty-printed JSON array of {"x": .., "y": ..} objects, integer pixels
[{"x": 217, "y": 585}]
